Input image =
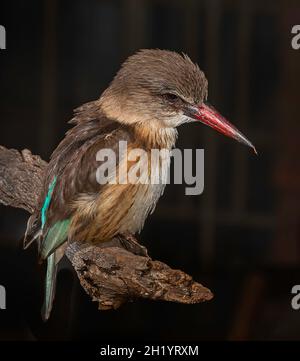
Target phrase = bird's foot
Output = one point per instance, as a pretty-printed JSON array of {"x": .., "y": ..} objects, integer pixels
[{"x": 130, "y": 243}]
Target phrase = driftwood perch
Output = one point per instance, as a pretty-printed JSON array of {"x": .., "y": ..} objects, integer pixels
[{"x": 118, "y": 271}]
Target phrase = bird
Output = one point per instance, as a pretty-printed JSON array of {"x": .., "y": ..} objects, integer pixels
[{"x": 154, "y": 92}]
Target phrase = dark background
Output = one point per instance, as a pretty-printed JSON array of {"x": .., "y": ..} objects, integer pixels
[{"x": 241, "y": 237}]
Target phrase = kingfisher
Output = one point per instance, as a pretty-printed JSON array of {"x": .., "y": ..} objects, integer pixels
[{"x": 153, "y": 93}]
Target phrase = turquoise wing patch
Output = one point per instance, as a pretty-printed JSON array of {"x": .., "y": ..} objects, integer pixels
[{"x": 47, "y": 202}]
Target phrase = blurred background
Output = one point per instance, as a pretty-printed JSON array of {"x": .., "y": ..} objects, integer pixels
[{"x": 241, "y": 238}]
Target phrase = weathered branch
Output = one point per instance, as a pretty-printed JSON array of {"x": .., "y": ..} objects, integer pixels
[
  {"x": 112, "y": 273},
  {"x": 20, "y": 178}
]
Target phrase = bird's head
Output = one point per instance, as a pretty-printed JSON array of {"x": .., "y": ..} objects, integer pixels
[{"x": 163, "y": 89}]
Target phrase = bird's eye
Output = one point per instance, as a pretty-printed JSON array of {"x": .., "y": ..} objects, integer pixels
[{"x": 170, "y": 97}]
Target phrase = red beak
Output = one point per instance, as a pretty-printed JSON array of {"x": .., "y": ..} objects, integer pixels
[{"x": 211, "y": 117}]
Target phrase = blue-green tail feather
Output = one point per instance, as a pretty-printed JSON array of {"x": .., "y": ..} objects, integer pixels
[
  {"x": 56, "y": 235},
  {"x": 50, "y": 285}
]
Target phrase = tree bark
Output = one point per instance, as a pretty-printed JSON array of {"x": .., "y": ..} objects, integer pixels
[{"x": 113, "y": 273}]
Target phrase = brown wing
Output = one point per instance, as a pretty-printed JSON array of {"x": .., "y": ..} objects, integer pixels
[{"x": 74, "y": 162}]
